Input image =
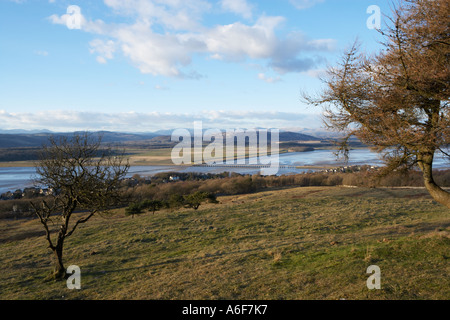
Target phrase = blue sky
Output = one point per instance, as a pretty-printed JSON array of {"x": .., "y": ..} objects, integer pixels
[{"x": 145, "y": 65}]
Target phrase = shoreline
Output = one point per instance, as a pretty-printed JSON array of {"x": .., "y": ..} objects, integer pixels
[{"x": 27, "y": 164}]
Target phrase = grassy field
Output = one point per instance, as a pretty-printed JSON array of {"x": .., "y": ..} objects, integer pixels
[
  {"x": 137, "y": 157},
  {"x": 145, "y": 157},
  {"x": 298, "y": 243},
  {"x": 140, "y": 157}
]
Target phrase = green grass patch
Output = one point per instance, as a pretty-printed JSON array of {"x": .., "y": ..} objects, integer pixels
[{"x": 299, "y": 243}]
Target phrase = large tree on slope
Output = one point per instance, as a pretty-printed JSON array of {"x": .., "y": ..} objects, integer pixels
[{"x": 397, "y": 100}]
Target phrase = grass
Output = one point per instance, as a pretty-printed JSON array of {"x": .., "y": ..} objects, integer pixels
[
  {"x": 147, "y": 157},
  {"x": 9, "y": 164},
  {"x": 298, "y": 243},
  {"x": 137, "y": 157}
]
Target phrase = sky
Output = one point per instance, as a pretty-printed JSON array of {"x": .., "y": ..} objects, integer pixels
[{"x": 147, "y": 65}]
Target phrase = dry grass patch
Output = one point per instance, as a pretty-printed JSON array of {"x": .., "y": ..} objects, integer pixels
[{"x": 299, "y": 243}]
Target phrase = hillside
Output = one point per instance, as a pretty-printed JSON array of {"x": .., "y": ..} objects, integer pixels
[
  {"x": 38, "y": 139},
  {"x": 24, "y": 146},
  {"x": 294, "y": 244},
  {"x": 20, "y": 140},
  {"x": 295, "y": 136}
]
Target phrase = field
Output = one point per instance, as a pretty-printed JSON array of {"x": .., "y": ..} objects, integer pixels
[
  {"x": 135, "y": 156},
  {"x": 293, "y": 244}
]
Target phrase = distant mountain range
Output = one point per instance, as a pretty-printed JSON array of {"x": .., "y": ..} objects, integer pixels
[
  {"x": 22, "y": 139},
  {"x": 21, "y": 131},
  {"x": 11, "y": 140}
]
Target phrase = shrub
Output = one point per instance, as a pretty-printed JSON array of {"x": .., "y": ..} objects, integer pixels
[
  {"x": 133, "y": 209},
  {"x": 152, "y": 205},
  {"x": 175, "y": 201},
  {"x": 194, "y": 200}
]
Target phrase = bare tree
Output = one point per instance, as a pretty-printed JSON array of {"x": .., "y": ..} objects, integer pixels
[
  {"x": 85, "y": 178},
  {"x": 398, "y": 99}
]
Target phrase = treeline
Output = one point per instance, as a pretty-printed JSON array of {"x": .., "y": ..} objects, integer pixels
[
  {"x": 18, "y": 154},
  {"x": 395, "y": 179},
  {"x": 190, "y": 193},
  {"x": 19, "y": 208},
  {"x": 31, "y": 154},
  {"x": 192, "y": 189},
  {"x": 164, "y": 177},
  {"x": 241, "y": 184},
  {"x": 175, "y": 201}
]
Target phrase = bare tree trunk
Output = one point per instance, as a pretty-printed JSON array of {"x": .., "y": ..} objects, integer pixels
[
  {"x": 59, "y": 271},
  {"x": 84, "y": 175},
  {"x": 425, "y": 161}
]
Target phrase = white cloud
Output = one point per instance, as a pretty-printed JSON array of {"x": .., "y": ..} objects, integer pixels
[
  {"x": 237, "y": 41},
  {"x": 240, "y": 7},
  {"x": 164, "y": 35},
  {"x": 98, "y": 27},
  {"x": 104, "y": 49},
  {"x": 154, "y": 53},
  {"x": 172, "y": 14},
  {"x": 58, "y": 120},
  {"x": 317, "y": 73},
  {"x": 101, "y": 60},
  {"x": 322, "y": 44},
  {"x": 216, "y": 56},
  {"x": 263, "y": 77}
]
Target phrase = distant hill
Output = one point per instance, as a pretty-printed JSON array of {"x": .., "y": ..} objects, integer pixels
[
  {"x": 295, "y": 136},
  {"x": 292, "y": 137},
  {"x": 22, "y": 140},
  {"x": 21, "y": 131}
]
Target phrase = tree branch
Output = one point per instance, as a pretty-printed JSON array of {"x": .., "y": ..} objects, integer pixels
[{"x": 80, "y": 221}]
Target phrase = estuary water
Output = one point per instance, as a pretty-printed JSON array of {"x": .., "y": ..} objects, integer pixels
[{"x": 13, "y": 178}]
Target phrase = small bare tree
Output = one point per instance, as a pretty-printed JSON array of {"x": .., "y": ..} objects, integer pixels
[
  {"x": 398, "y": 99},
  {"x": 85, "y": 178}
]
